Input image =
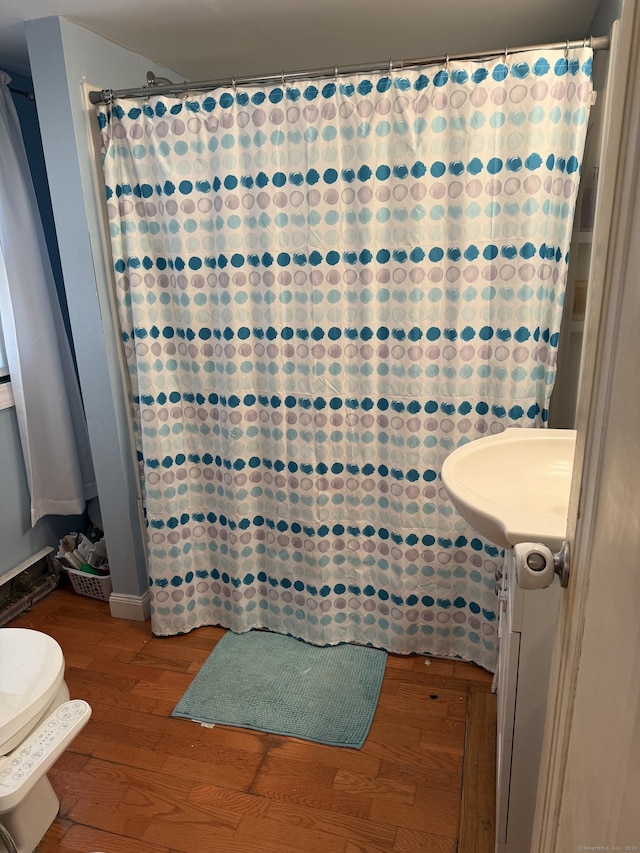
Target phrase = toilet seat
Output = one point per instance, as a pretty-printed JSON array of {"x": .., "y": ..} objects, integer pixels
[
  {"x": 38, "y": 722},
  {"x": 31, "y": 679}
]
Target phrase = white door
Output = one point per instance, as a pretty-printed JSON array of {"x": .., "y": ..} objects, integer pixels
[{"x": 589, "y": 791}]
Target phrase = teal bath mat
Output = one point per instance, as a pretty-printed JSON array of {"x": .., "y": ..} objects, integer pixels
[{"x": 285, "y": 686}]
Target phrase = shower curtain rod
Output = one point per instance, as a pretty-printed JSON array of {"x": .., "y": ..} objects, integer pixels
[{"x": 105, "y": 96}]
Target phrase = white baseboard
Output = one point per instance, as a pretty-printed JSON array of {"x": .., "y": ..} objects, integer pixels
[{"x": 136, "y": 607}]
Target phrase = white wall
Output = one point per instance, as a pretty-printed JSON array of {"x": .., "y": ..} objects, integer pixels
[
  {"x": 62, "y": 55},
  {"x": 601, "y": 787},
  {"x": 588, "y": 796}
]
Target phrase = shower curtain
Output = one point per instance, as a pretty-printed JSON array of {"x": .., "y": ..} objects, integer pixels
[{"x": 324, "y": 288}]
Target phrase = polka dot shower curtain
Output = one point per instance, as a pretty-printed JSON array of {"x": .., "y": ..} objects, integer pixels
[{"x": 325, "y": 287}]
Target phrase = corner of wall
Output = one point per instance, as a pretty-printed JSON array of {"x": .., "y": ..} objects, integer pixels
[
  {"x": 607, "y": 12},
  {"x": 62, "y": 55}
]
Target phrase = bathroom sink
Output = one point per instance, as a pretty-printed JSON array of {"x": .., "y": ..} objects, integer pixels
[{"x": 514, "y": 487}]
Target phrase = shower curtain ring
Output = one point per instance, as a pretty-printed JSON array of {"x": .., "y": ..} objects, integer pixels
[
  {"x": 283, "y": 82},
  {"x": 506, "y": 53},
  {"x": 566, "y": 50},
  {"x": 336, "y": 73},
  {"x": 390, "y": 67},
  {"x": 233, "y": 83},
  {"x": 446, "y": 64}
]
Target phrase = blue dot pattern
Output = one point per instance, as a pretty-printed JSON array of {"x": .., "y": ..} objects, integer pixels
[{"x": 323, "y": 289}]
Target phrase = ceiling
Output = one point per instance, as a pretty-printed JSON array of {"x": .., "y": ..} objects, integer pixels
[{"x": 210, "y": 39}]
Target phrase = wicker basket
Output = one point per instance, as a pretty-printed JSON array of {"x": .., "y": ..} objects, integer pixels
[{"x": 95, "y": 586}]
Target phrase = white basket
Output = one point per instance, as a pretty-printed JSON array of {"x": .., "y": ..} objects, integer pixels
[{"x": 95, "y": 586}]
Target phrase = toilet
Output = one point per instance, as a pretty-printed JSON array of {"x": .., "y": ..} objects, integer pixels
[{"x": 38, "y": 721}]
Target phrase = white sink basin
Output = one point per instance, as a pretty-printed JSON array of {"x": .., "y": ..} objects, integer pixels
[{"x": 514, "y": 487}]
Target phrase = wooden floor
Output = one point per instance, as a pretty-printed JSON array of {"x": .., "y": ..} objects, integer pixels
[{"x": 136, "y": 780}]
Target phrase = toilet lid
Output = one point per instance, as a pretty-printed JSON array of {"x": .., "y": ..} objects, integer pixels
[{"x": 31, "y": 670}]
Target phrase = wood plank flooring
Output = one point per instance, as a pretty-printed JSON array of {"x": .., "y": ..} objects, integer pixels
[
  {"x": 477, "y": 819},
  {"x": 138, "y": 780}
]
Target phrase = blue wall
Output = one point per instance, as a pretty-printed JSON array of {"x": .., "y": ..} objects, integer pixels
[
  {"x": 62, "y": 55},
  {"x": 18, "y": 539}
]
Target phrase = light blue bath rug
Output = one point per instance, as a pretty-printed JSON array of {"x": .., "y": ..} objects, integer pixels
[{"x": 285, "y": 686}]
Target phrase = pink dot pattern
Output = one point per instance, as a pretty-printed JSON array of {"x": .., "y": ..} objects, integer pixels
[{"x": 323, "y": 289}]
